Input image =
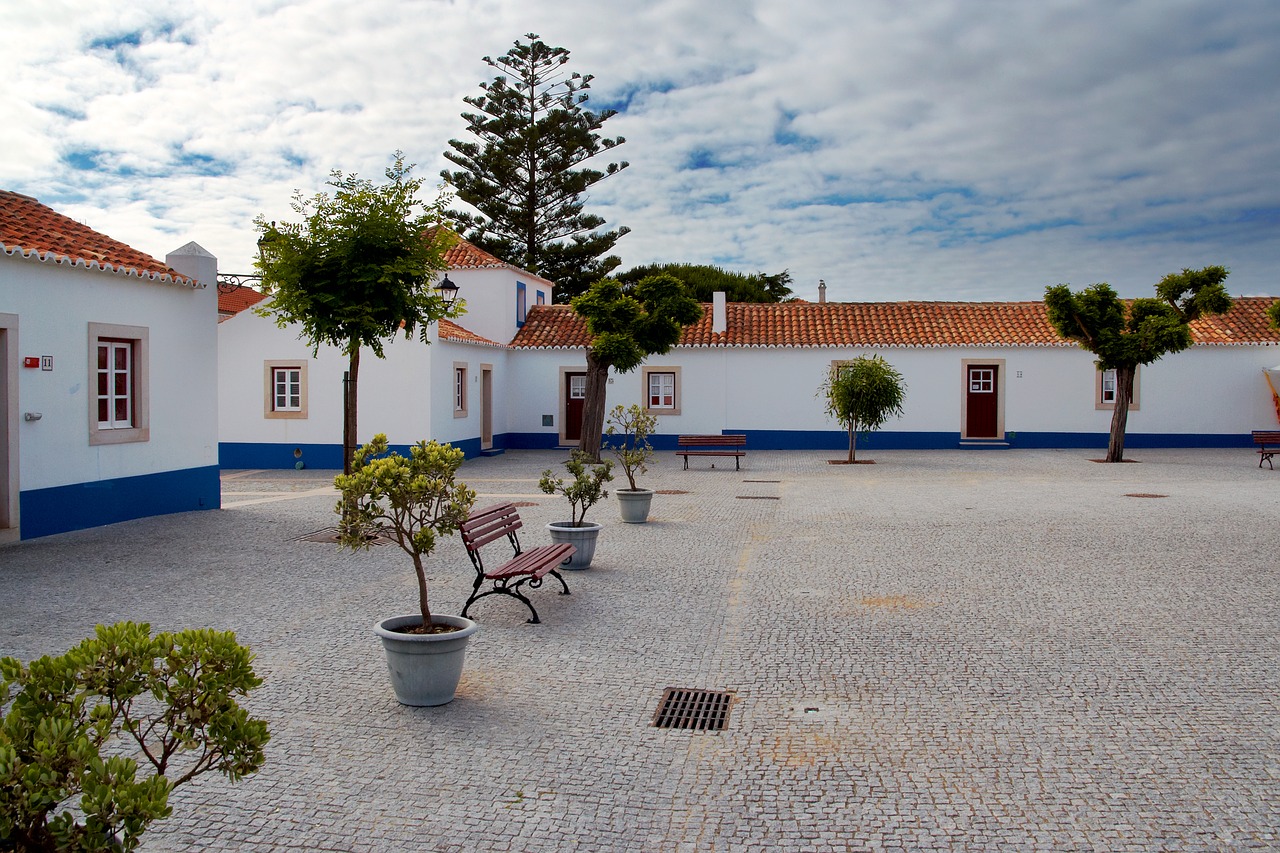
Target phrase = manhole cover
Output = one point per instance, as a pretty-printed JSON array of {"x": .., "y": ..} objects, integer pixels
[
  {"x": 1143, "y": 495},
  {"x": 697, "y": 710},
  {"x": 330, "y": 534},
  {"x": 671, "y": 492},
  {"x": 758, "y": 498}
]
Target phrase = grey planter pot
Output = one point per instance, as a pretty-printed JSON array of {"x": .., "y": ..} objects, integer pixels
[
  {"x": 425, "y": 668},
  {"x": 634, "y": 504},
  {"x": 582, "y": 537}
]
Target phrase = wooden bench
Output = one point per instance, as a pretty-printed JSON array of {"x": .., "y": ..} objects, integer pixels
[
  {"x": 526, "y": 568},
  {"x": 712, "y": 445},
  {"x": 1262, "y": 438}
]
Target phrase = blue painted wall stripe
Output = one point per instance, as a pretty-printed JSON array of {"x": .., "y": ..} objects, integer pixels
[{"x": 60, "y": 509}]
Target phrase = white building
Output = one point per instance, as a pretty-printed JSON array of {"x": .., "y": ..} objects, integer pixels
[
  {"x": 978, "y": 374},
  {"x": 280, "y": 404},
  {"x": 107, "y": 377}
]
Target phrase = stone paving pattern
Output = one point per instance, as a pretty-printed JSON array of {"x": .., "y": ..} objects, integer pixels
[{"x": 944, "y": 650}]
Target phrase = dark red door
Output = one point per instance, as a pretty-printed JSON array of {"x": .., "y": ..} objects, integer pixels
[
  {"x": 983, "y": 406},
  {"x": 575, "y": 393}
]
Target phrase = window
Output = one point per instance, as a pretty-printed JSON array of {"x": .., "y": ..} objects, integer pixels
[
  {"x": 459, "y": 390},
  {"x": 542, "y": 297},
  {"x": 982, "y": 380},
  {"x": 578, "y": 387},
  {"x": 286, "y": 383},
  {"x": 286, "y": 389},
  {"x": 662, "y": 390},
  {"x": 521, "y": 303},
  {"x": 119, "y": 403},
  {"x": 1105, "y": 390}
]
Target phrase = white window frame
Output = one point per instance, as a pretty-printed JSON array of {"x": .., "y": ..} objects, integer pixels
[
  {"x": 647, "y": 377},
  {"x": 136, "y": 426},
  {"x": 1100, "y": 401},
  {"x": 460, "y": 389},
  {"x": 269, "y": 369}
]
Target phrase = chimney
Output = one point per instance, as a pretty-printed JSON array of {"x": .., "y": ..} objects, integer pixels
[
  {"x": 193, "y": 261},
  {"x": 719, "y": 313},
  {"x": 822, "y": 291}
]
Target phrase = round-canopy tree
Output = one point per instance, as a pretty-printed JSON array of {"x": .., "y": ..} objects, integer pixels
[
  {"x": 862, "y": 394},
  {"x": 358, "y": 268},
  {"x": 1123, "y": 337},
  {"x": 627, "y": 328}
]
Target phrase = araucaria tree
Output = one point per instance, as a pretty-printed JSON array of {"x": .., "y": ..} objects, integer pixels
[
  {"x": 524, "y": 175},
  {"x": 625, "y": 329},
  {"x": 862, "y": 394},
  {"x": 358, "y": 268},
  {"x": 1125, "y": 336}
]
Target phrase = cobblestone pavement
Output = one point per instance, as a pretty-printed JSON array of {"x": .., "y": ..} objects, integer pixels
[{"x": 974, "y": 650}]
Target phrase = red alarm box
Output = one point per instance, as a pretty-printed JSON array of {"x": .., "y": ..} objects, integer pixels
[{"x": 31, "y": 361}]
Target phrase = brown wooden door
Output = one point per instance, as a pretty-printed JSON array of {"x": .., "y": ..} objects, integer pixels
[
  {"x": 575, "y": 395},
  {"x": 983, "y": 401}
]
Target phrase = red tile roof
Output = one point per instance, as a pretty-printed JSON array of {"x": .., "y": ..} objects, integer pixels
[
  {"x": 32, "y": 230},
  {"x": 887, "y": 324},
  {"x": 451, "y": 331},
  {"x": 238, "y": 300}
]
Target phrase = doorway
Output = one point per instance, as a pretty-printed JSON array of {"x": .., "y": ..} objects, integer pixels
[
  {"x": 574, "y": 394},
  {"x": 486, "y": 407},
  {"x": 982, "y": 415},
  {"x": 9, "y": 428}
]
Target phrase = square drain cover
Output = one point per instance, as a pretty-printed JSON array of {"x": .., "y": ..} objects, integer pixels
[
  {"x": 699, "y": 710},
  {"x": 330, "y": 534}
]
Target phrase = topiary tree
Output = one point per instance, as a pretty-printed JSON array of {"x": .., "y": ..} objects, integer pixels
[
  {"x": 1125, "y": 336},
  {"x": 356, "y": 270},
  {"x": 415, "y": 498},
  {"x": 627, "y": 328},
  {"x": 171, "y": 698},
  {"x": 862, "y": 394}
]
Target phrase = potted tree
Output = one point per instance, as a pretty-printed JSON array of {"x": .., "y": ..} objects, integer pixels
[
  {"x": 414, "y": 500},
  {"x": 627, "y": 437},
  {"x": 583, "y": 491}
]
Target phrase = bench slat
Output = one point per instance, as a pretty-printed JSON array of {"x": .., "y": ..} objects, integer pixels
[
  {"x": 536, "y": 562},
  {"x": 711, "y": 440}
]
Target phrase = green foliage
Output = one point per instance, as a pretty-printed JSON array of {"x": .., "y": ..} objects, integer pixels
[
  {"x": 1098, "y": 321},
  {"x": 172, "y": 696},
  {"x": 416, "y": 499},
  {"x": 1273, "y": 314},
  {"x": 585, "y": 489},
  {"x": 522, "y": 175},
  {"x": 359, "y": 267},
  {"x": 702, "y": 281},
  {"x": 628, "y": 434},
  {"x": 862, "y": 394},
  {"x": 626, "y": 328}
]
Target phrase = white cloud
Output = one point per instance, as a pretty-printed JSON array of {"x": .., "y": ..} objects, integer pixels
[{"x": 930, "y": 150}]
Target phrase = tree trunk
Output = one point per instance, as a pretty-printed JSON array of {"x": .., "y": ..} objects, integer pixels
[
  {"x": 422, "y": 590},
  {"x": 593, "y": 406},
  {"x": 1120, "y": 415},
  {"x": 349, "y": 410},
  {"x": 853, "y": 443}
]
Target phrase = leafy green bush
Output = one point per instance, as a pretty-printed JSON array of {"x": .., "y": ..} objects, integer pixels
[
  {"x": 170, "y": 698},
  {"x": 628, "y": 439},
  {"x": 584, "y": 490}
]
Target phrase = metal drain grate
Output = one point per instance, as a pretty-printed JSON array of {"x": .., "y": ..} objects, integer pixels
[
  {"x": 330, "y": 534},
  {"x": 762, "y": 481},
  {"x": 697, "y": 710},
  {"x": 1144, "y": 495},
  {"x": 671, "y": 492},
  {"x": 758, "y": 497},
  {"x": 524, "y": 503}
]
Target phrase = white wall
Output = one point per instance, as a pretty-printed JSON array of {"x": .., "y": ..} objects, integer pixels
[
  {"x": 55, "y": 304},
  {"x": 1206, "y": 389},
  {"x": 490, "y": 296}
]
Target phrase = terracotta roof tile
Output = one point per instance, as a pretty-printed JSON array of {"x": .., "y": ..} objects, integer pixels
[
  {"x": 32, "y": 230},
  {"x": 451, "y": 331},
  {"x": 887, "y": 324},
  {"x": 238, "y": 300}
]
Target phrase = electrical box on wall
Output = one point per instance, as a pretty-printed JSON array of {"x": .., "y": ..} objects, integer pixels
[
  {"x": 30, "y": 361},
  {"x": 548, "y": 420}
]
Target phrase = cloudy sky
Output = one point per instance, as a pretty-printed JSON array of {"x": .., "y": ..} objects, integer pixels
[{"x": 898, "y": 149}]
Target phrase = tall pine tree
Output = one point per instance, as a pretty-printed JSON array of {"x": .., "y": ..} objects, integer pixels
[{"x": 523, "y": 176}]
